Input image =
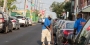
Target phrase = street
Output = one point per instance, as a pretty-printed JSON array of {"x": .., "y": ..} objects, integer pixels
[{"x": 25, "y": 36}]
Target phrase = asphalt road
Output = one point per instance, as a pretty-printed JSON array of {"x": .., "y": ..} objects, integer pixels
[{"x": 25, "y": 36}]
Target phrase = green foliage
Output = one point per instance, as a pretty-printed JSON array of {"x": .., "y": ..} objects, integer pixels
[
  {"x": 67, "y": 6},
  {"x": 36, "y": 12},
  {"x": 1, "y": 3},
  {"x": 59, "y": 8},
  {"x": 10, "y": 5}
]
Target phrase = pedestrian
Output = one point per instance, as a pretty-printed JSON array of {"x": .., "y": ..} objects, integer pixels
[
  {"x": 46, "y": 31},
  {"x": 78, "y": 24}
]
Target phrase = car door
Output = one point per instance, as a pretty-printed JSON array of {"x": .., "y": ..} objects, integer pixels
[
  {"x": 10, "y": 23},
  {"x": 17, "y": 22},
  {"x": 84, "y": 36}
]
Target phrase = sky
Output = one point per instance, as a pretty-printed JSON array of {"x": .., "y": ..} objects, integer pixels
[{"x": 46, "y": 5}]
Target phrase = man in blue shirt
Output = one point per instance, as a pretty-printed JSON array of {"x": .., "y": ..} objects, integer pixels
[
  {"x": 46, "y": 31},
  {"x": 78, "y": 24}
]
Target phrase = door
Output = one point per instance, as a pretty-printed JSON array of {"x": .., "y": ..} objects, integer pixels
[{"x": 84, "y": 36}]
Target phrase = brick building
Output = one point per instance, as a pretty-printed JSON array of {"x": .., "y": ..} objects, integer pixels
[{"x": 82, "y": 6}]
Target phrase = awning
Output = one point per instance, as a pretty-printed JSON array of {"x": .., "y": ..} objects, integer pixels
[{"x": 86, "y": 9}]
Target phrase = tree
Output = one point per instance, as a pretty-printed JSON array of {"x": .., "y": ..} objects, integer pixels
[
  {"x": 1, "y": 3},
  {"x": 10, "y": 5},
  {"x": 67, "y": 7},
  {"x": 57, "y": 8}
]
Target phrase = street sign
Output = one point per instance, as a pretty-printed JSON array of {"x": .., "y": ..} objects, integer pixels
[{"x": 32, "y": 4}]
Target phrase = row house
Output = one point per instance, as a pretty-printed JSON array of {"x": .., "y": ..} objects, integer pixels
[{"x": 82, "y": 6}]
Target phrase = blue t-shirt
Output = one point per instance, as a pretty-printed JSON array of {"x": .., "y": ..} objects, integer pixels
[
  {"x": 46, "y": 23},
  {"x": 78, "y": 24}
]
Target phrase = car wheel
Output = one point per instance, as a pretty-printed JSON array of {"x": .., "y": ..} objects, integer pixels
[
  {"x": 87, "y": 41},
  {"x": 24, "y": 25},
  {"x": 60, "y": 39},
  {"x": 19, "y": 27},
  {"x": 11, "y": 29},
  {"x": 6, "y": 30}
]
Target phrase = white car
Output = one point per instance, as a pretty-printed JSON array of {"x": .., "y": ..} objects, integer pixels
[
  {"x": 15, "y": 23},
  {"x": 22, "y": 20},
  {"x": 29, "y": 21},
  {"x": 64, "y": 31}
]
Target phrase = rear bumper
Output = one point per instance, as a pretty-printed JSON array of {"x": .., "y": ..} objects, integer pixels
[
  {"x": 22, "y": 21},
  {"x": 1, "y": 25},
  {"x": 22, "y": 24},
  {"x": 14, "y": 25}
]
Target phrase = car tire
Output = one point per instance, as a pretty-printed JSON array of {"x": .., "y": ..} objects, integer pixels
[
  {"x": 87, "y": 41},
  {"x": 14, "y": 28},
  {"x": 11, "y": 29},
  {"x": 19, "y": 27},
  {"x": 24, "y": 25},
  {"x": 6, "y": 30}
]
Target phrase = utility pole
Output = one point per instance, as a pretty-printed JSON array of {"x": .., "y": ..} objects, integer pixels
[
  {"x": 31, "y": 9},
  {"x": 24, "y": 8},
  {"x": 31, "y": 4},
  {"x": 4, "y": 5},
  {"x": 37, "y": 5}
]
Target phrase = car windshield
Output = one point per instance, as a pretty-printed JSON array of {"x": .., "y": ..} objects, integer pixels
[{"x": 69, "y": 25}]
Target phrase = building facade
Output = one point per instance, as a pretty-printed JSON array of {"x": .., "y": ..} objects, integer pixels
[
  {"x": 67, "y": 0},
  {"x": 82, "y": 6}
]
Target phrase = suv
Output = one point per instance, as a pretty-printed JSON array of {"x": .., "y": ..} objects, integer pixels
[
  {"x": 22, "y": 20},
  {"x": 5, "y": 23}
]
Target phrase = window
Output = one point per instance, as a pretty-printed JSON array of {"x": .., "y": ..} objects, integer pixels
[
  {"x": 70, "y": 25},
  {"x": 84, "y": 33}
]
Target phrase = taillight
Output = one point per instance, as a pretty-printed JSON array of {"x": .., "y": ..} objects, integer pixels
[
  {"x": 88, "y": 28},
  {"x": 67, "y": 32},
  {"x": 13, "y": 20},
  {"x": 1, "y": 19}
]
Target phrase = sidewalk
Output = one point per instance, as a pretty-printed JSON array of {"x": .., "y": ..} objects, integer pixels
[{"x": 34, "y": 23}]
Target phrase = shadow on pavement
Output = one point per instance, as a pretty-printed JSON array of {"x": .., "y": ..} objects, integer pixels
[{"x": 39, "y": 42}]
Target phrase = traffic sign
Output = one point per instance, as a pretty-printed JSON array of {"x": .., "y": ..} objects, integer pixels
[{"x": 32, "y": 4}]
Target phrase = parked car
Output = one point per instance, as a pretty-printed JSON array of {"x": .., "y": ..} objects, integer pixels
[
  {"x": 5, "y": 23},
  {"x": 15, "y": 23},
  {"x": 83, "y": 38},
  {"x": 39, "y": 20},
  {"x": 64, "y": 31},
  {"x": 27, "y": 21},
  {"x": 30, "y": 21},
  {"x": 22, "y": 20},
  {"x": 57, "y": 26}
]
